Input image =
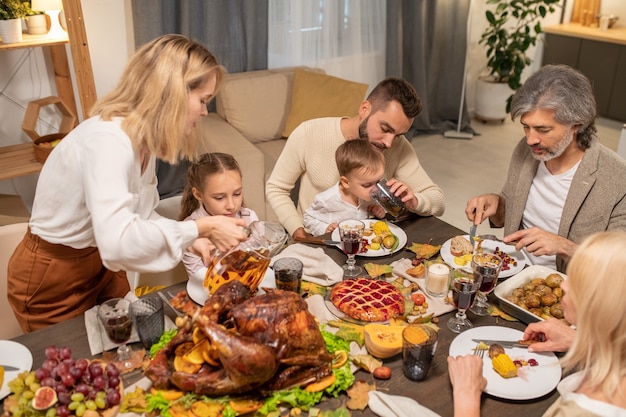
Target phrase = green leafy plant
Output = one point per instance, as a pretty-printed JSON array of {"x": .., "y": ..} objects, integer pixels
[
  {"x": 512, "y": 28},
  {"x": 14, "y": 9}
]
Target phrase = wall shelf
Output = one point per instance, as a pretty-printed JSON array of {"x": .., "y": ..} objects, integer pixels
[{"x": 18, "y": 160}]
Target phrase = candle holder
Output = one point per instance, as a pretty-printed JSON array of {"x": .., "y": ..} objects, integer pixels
[{"x": 437, "y": 276}]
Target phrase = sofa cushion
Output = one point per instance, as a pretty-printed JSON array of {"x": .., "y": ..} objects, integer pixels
[
  {"x": 319, "y": 95},
  {"x": 255, "y": 105}
]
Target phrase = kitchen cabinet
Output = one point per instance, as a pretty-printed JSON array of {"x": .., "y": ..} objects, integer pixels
[
  {"x": 18, "y": 160},
  {"x": 601, "y": 56}
]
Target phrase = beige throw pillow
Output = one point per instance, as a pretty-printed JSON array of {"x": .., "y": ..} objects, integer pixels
[
  {"x": 255, "y": 104},
  {"x": 319, "y": 95}
]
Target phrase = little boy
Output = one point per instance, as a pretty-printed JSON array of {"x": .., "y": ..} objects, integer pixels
[{"x": 360, "y": 166}]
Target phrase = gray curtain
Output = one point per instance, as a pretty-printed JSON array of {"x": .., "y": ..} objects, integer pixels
[
  {"x": 235, "y": 31},
  {"x": 426, "y": 45}
]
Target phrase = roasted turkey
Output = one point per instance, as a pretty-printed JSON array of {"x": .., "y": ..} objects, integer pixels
[{"x": 264, "y": 343}]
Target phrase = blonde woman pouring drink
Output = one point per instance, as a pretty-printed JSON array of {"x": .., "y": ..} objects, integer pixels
[{"x": 93, "y": 215}]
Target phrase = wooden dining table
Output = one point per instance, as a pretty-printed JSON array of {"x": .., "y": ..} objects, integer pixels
[{"x": 434, "y": 392}]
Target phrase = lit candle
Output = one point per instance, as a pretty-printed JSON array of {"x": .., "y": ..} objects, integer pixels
[{"x": 437, "y": 279}]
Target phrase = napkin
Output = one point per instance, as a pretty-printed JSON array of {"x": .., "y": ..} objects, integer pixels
[
  {"x": 317, "y": 266},
  {"x": 98, "y": 340},
  {"x": 437, "y": 306},
  {"x": 385, "y": 405}
]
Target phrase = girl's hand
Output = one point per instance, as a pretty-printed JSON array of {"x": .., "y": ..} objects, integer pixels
[{"x": 551, "y": 335}]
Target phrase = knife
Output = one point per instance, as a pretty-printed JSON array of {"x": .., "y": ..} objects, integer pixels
[
  {"x": 504, "y": 343},
  {"x": 472, "y": 233},
  {"x": 10, "y": 368},
  {"x": 317, "y": 241}
]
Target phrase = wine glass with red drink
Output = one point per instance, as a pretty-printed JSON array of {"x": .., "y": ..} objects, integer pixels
[
  {"x": 464, "y": 288},
  {"x": 351, "y": 235},
  {"x": 486, "y": 268},
  {"x": 118, "y": 324}
]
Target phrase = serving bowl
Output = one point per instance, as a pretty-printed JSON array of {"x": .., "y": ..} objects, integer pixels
[{"x": 504, "y": 289}]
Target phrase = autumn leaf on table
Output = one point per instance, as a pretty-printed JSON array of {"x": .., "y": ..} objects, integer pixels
[
  {"x": 348, "y": 331},
  {"x": 358, "y": 395},
  {"x": 367, "y": 362},
  {"x": 377, "y": 270},
  {"x": 424, "y": 250},
  {"x": 496, "y": 312},
  {"x": 339, "y": 412},
  {"x": 312, "y": 288}
]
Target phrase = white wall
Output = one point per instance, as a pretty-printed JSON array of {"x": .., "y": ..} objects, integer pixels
[{"x": 111, "y": 42}]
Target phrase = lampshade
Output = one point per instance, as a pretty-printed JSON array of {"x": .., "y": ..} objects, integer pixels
[{"x": 46, "y": 4}]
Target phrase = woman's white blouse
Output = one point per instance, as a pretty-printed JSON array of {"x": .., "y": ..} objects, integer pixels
[{"x": 91, "y": 192}]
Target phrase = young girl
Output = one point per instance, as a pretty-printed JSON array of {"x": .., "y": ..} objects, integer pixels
[{"x": 213, "y": 188}]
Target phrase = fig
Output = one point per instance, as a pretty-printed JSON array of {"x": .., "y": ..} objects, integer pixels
[{"x": 45, "y": 397}]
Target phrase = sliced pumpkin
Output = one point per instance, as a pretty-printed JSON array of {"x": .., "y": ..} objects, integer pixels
[
  {"x": 168, "y": 394},
  {"x": 194, "y": 355},
  {"x": 206, "y": 409},
  {"x": 322, "y": 384},
  {"x": 198, "y": 335},
  {"x": 383, "y": 341},
  {"x": 182, "y": 365},
  {"x": 245, "y": 405}
]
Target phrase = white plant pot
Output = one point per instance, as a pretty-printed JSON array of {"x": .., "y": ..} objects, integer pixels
[
  {"x": 11, "y": 30},
  {"x": 37, "y": 24},
  {"x": 490, "y": 104}
]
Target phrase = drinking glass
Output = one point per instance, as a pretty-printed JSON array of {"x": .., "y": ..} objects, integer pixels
[
  {"x": 464, "y": 288},
  {"x": 288, "y": 274},
  {"x": 486, "y": 267},
  {"x": 419, "y": 343},
  {"x": 351, "y": 235},
  {"x": 118, "y": 324},
  {"x": 382, "y": 196},
  {"x": 149, "y": 319}
]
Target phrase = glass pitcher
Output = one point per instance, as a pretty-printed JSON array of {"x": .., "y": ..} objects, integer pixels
[{"x": 248, "y": 261}]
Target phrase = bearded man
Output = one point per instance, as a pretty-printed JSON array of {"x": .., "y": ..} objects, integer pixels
[
  {"x": 562, "y": 184},
  {"x": 383, "y": 119}
]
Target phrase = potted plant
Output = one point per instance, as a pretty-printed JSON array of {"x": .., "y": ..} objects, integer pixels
[
  {"x": 512, "y": 27},
  {"x": 11, "y": 14}
]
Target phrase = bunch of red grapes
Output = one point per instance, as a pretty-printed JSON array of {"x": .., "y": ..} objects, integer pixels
[{"x": 79, "y": 385}]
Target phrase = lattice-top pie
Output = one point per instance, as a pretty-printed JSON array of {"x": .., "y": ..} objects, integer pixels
[{"x": 367, "y": 299}]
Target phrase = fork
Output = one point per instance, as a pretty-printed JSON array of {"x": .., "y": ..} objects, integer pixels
[{"x": 479, "y": 351}]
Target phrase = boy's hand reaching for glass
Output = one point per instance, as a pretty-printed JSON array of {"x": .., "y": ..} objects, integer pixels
[
  {"x": 331, "y": 227},
  {"x": 377, "y": 211}
]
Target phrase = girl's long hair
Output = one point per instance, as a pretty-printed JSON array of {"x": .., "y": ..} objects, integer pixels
[
  {"x": 597, "y": 284},
  {"x": 197, "y": 174},
  {"x": 152, "y": 95}
]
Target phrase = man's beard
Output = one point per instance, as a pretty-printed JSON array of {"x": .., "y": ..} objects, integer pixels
[
  {"x": 558, "y": 149},
  {"x": 363, "y": 129}
]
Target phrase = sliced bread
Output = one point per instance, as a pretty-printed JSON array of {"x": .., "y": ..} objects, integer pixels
[{"x": 459, "y": 246}]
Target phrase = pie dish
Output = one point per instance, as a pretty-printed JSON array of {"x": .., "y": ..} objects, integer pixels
[{"x": 368, "y": 300}]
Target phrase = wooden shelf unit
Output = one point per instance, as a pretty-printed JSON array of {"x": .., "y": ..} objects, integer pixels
[{"x": 18, "y": 160}]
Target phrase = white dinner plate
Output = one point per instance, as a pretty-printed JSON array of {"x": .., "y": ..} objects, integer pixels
[
  {"x": 14, "y": 354},
  {"x": 488, "y": 246},
  {"x": 402, "y": 239},
  {"x": 531, "y": 382},
  {"x": 198, "y": 293}
]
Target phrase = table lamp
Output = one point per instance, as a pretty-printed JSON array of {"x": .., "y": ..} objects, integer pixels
[{"x": 52, "y": 8}]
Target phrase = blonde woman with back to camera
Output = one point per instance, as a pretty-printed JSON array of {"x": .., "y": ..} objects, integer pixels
[
  {"x": 594, "y": 302},
  {"x": 93, "y": 214}
]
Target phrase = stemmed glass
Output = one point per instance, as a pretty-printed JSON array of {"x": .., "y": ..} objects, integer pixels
[
  {"x": 464, "y": 288},
  {"x": 118, "y": 324},
  {"x": 351, "y": 235},
  {"x": 486, "y": 267}
]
